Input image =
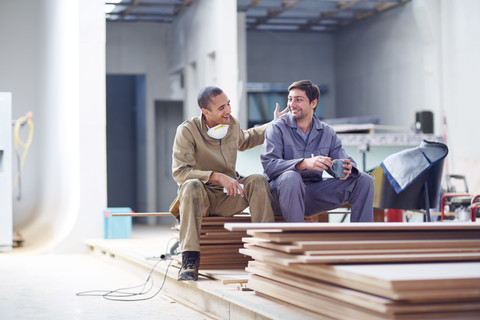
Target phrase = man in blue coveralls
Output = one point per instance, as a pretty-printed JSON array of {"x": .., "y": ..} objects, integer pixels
[{"x": 298, "y": 147}]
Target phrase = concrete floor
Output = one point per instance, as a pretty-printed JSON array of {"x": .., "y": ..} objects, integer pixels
[{"x": 45, "y": 287}]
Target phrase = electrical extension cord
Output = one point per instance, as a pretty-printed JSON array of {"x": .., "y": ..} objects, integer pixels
[
  {"x": 168, "y": 255},
  {"x": 122, "y": 295}
]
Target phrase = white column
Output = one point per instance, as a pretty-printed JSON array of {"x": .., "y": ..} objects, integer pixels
[
  {"x": 5, "y": 171},
  {"x": 54, "y": 64}
]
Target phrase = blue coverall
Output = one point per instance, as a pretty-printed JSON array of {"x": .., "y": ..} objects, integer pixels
[{"x": 297, "y": 193}]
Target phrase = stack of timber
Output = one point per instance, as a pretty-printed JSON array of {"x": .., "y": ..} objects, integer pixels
[
  {"x": 219, "y": 248},
  {"x": 368, "y": 270}
]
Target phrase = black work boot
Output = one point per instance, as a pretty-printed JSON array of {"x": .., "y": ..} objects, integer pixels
[{"x": 190, "y": 263}]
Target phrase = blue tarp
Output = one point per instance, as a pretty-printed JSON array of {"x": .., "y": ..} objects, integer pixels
[{"x": 404, "y": 167}]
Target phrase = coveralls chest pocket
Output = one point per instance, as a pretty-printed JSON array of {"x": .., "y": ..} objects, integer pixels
[
  {"x": 317, "y": 152},
  {"x": 291, "y": 152},
  {"x": 228, "y": 148}
]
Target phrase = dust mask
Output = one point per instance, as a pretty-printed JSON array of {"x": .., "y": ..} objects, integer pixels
[{"x": 218, "y": 132}]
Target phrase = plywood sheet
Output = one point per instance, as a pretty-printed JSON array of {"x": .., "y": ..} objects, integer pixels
[
  {"x": 290, "y": 259},
  {"x": 283, "y": 247},
  {"x": 389, "y": 251},
  {"x": 385, "y": 244},
  {"x": 226, "y": 276},
  {"x": 320, "y": 287},
  {"x": 406, "y": 281},
  {"x": 368, "y": 226},
  {"x": 367, "y": 247},
  {"x": 312, "y": 302},
  {"x": 342, "y": 309},
  {"x": 361, "y": 300},
  {"x": 393, "y": 254},
  {"x": 389, "y": 258},
  {"x": 291, "y": 236},
  {"x": 423, "y": 291}
]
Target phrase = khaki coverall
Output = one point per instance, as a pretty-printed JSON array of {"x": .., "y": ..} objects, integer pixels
[{"x": 195, "y": 157}]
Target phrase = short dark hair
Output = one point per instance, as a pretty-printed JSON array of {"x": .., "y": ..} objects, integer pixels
[
  {"x": 310, "y": 88},
  {"x": 206, "y": 94}
]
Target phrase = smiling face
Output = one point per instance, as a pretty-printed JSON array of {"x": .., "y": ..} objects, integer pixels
[
  {"x": 218, "y": 111},
  {"x": 299, "y": 105}
]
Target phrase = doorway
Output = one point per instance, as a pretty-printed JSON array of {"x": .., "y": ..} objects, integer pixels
[
  {"x": 125, "y": 100},
  {"x": 168, "y": 115}
]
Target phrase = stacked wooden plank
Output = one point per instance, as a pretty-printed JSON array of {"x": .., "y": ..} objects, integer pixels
[
  {"x": 368, "y": 271},
  {"x": 219, "y": 248}
]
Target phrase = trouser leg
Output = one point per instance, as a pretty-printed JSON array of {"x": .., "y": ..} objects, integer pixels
[
  {"x": 257, "y": 192},
  {"x": 256, "y": 196},
  {"x": 331, "y": 193},
  {"x": 361, "y": 199},
  {"x": 288, "y": 193},
  {"x": 194, "y": 204}
]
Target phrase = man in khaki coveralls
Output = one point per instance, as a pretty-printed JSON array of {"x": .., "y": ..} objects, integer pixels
[{"x": 204, "y": 159}]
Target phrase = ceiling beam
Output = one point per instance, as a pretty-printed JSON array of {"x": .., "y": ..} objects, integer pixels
[
  {"x": 359, "y": 15},
  {"x": 253, "y": 3},
  {"x": 339, "y": 13},
  {"x": 185, "y": 4},
  {"x": 153, "y": 14},
  {"x": 130, "y": 8},
  {"x": 341, "y": 6},
  {"x": 385, "y": 5},
  {"x": 344, "y": 5},
  {"x": 286, "y": 5}
]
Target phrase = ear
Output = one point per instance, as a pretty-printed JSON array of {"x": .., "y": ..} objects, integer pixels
[
  {"x": 314, "y": 103},
  {"x": 205, "y": 112}
]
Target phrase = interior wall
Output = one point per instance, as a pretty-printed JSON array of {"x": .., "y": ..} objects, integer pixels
[
  {"x": 422, "y": 55},
  {"x": 379, "y": 68},
  {"x": 16, "y": 63},
  {"x": 242, "y": 69},
  {"x": 460, "y": 46},
  {"x": 177, "y": 61},
  {"x": 284, "y": 57},
  {"x": 204, "y": 50},
  {"x": 52, "y": 60},
  {"x": 143, "y": 49}
]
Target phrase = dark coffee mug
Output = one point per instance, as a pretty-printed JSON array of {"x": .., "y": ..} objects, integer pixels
[{"x": 338, "y": 169}]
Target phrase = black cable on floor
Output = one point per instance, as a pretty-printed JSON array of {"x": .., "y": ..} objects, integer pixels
[{"x": 124, "y": 294}]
